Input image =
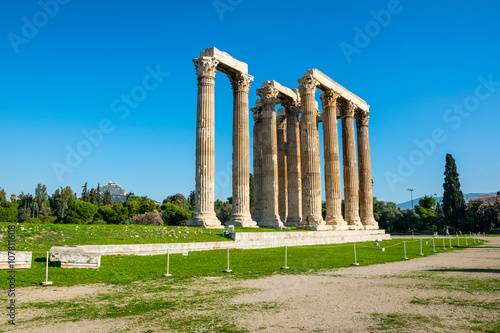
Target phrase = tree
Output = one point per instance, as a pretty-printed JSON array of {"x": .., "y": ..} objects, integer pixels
[
  {"x": 99, "y": 196},
  {"x": 252, "y": 192},
  {"x": 151, "y": 218},
  {"x": 81, "y": 212},
  {"x": 192, "y": 200},
  {"x": 85, "y": 193},
  {"x": 426, "y": 210},
  {"x": 107, "y": 199},
  {"x": 8, "y": 211},
  {"x": 179, "y": 200},
  {"x": 139, "y": 205},
  {"x": 61, "y": 200},
  {"x": 2, "y": 195},
  {"x": 93, "y": 198},
  {"x": 174, "y": 215},
  {"x": 482, "y": 215},
  {"x": 120, "y": 214},
  {"x": 387, "y": 214},
  {"x": 41, "y": 200},
  {"x": 223, "y": 210},
  {"x": 12, "y": 197},
  {"x": 453, "y": 198}
]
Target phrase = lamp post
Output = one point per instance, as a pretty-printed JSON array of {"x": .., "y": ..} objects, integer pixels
[{"x": 411, "y": 191}]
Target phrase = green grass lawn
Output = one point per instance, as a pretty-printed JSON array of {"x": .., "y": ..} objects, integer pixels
[
  {"x": 243, "y": 263},
  {"x": 41, "y": 237}
]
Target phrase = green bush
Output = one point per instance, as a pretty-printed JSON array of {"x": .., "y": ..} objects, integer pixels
[
  {"x": 49, "y": 219},
  {"x": 8, "y": 211},
  {"x": 81, "y": 212},
  {"x": 33, "y": 220}
]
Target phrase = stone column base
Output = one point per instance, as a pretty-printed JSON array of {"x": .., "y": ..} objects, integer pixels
[
  {"x": 356, "y": 225},
  {"x": 209, "y": 221},
  {"x": 370, "y": 224},
  {"x": 337, "y": 223},
  {"x": 270, "y": 222},
  {"x": 242, "y": 221},
  {"x": 293, "y": 221},
  {"x": 371, "y": 227}
]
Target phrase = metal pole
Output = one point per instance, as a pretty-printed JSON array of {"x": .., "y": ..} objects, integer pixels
[
  {"x": 228, "y": 270},
  {"x": 466, "y": 240},
  {"x": 449, "y": 238},
  {"x": 47, "y": 282},
  {"x": 444, "y": 248},
  {"x": 405, "y": 257},
  {"x": 355, "y": 259},
  {"x": 458, "y": 241},
  {"x": 286, "y": 255},
  {"x": 433, "y": 245},
  {"x": 168, "y": 264},
  {"x": 420, "y": 254}
]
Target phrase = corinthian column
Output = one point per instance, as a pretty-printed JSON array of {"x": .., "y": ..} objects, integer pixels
[
  {"x": 270, "y": 216},
  {"x": 350, "y": 170},
  {"x": 293, "y": 165},
  {"x": 282, "y": 166},
  {"x": 257, "y": 163},
  {"x": 332, "y": 162},
  {"x": 204, "y": 215},
  {"x": 241, "y": 152},
  {"x": 365, "y": 172},
  {"x": 311, "y": 174}
]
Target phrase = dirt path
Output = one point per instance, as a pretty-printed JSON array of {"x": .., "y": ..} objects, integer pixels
[
  {"x": 346, "y": 299},
  {"x": 406, "y": 296}
]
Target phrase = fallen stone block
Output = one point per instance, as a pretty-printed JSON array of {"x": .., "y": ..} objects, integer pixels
[{"x": 15, "y": 260}]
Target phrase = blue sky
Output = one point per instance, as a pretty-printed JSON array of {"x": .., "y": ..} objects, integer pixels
[{"x": 429, "y": 70}]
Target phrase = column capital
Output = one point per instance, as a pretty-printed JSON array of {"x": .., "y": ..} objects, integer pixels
[
  {"x": 329, "y": 98},
  {"x": 347, "y": 108},
  {"x": 308, "y": 84},
  {"x": 241, "y": 82},
  {"x": 256, "y": 114},
  {"x": 206, "y": 66},
  {"x": 362, "y": 118},
  {"x": 268, "y": 95}
]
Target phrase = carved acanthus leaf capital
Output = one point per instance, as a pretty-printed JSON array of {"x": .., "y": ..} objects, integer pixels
[
  {"x": 329, "y": 98},
  {"x": 362, "y": 118},
  {"x": 268, "y": 95},
  {"x": 256, "y": 114},
  {"x": 206, "y": 66},
  {"x": 241, "y": 82},
  {"x": 308, "y": 85},
  {"x": 347, "y": 108}
]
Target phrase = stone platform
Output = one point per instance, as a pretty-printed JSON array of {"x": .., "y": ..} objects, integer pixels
[{"x": 70, "y": 257}]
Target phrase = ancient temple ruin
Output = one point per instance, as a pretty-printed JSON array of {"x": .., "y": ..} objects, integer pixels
[{"x": 286, "y": 151}]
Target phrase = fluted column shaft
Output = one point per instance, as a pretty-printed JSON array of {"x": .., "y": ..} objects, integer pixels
[
  {"x": 241, "y": 152},
  {"x": 270, "y": 216},
  {"x": 332, "y": 161},
  {"x": 204, "y": 215},
  {"x": 281, "y": 125},
  {"x": 311, "y": 168},
  {"x": 293, "y": 168},
  {"x": 257, "y": 164},
  {"x": 365, "y": 172},
  {"x": 350, "y": 170}
]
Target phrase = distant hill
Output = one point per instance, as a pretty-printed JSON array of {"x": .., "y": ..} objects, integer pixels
[
  {"x": 117, "y": 192},
  {"x": 467, "y": 196}
]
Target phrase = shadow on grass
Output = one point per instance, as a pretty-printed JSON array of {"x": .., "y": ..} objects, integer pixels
[
  {"x": 51, "y": 263},
  {"x": 466, "y": 270}
]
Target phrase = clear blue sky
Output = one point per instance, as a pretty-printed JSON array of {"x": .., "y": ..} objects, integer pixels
[{"x": 64, "y": 71}]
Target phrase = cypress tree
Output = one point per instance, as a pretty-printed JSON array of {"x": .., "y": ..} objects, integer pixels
[{"x": 453, "y": 198}]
